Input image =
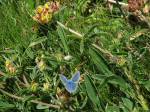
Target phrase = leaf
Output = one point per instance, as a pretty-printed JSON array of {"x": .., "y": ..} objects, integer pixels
[
  {"x": 5, "y": 105},
  {"x": 118, "y": 81},
  {"x": 82, "y": 46},
  {"x": 91, "y": 92},
  {"x": 84, "y": 103},
  {"x": 146, "y": 84},
  {"x": 128, "y": 104},
  {"x": 113, "y": 79},
  {"x": 112, "y": 109},
  {"x": 82, "y": 5},
  {"x": 39, "y": 106},
  {"x": 30, "y": 53},
  {"x": 31, "y": 4},
  {"x": 38, "y": 41},
  {"x": 61, "y": 34},
  {"x": 138, "y": 34},
  {"x": 90, "y": 30},
  {"x": 101, "y": 66}
]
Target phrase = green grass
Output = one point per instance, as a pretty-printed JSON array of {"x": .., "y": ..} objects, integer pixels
[{"x": 114, "y": 67}]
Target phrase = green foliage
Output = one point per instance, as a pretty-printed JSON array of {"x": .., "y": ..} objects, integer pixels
[{"x": 112, "y": 57}]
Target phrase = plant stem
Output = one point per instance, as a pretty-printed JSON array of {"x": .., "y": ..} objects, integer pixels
[
  {"x": 118, "y": 5},
  {"x": 70, "y": 30},
  {"x": 33, "y": 101},
  {"x": 142, "y": 101},
  {"x": 135, "y": 83},
  {"x": 80, "y": 36}
]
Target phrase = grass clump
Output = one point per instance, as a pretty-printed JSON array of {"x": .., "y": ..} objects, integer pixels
[{"x": 82, "y": 35}]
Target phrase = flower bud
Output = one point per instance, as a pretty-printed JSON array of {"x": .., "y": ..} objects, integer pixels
[
  {"x": 33, "y": 86},
  {"x": 46, "y": 87}
]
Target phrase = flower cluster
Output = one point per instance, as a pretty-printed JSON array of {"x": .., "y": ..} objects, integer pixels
[
  {"x": 33, "y": 86},
  {"x": 10, "y": 66},
  {"x": 43, "y": 14},
  {"x": 40, "y": 63}
]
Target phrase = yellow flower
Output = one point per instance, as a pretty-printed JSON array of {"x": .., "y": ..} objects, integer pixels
[
  {"x": 47, "y": 5},
  {"x": 33, "y": 86},
  {"x": 46, "y": 86},
  {"x": 121, "y": 61},
  {"x": 43, "y": 14},
  {"x": 39, "y": 9},
  {"x": 10, "y": 67},
  {"x": 42, "y": 65},
  {"x": 7, "y": 63},
  {"x": 45, "y": 18}
]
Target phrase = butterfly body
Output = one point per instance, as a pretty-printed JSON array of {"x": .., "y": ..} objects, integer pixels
[{"x": 71, "y": 84}]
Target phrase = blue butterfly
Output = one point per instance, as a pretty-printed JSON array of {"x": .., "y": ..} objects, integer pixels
[{"x": 71, "y": 84}]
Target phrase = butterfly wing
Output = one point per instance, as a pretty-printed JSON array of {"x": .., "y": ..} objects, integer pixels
[
  {"x": 63, "y": 80},
  {"x": 76, "y": 77},
  {"x": 71, "y": 86}
]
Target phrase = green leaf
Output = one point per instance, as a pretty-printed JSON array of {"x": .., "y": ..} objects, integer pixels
[
  {"x": 146, "y": 84},
  {"x": 128, "y": 104},
  {"x": 82, "y": 5},
  {"x": 113, "y": 79},
  {"x": 82, "y": 46},
  {"x": 101, "y": 66},
  {"x": 39, "y": 106},
  {"x": 91, "y": 92},
  {"x": 112, "y": 109},
  {"x": 38, "y": 41},
  {"x": 6, "y": 105},
  {"x": 90, "y": 30},
  {"x": 84, "y": 103},
  {"x": 61, "y": 34},
  {"x": 30, "y": 53},
  {"x": 31, "y": 3}
]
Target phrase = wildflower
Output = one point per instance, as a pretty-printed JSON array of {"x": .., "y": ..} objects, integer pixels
[
  {"x": 43, "y": 14},
  {"x": 46, "y": 87},
  {"x": 40, "y": 64},
  {"x": 10, "y": 67},
  {"x": 39, "y": 9},
  {"x": 121, "y": 61},
  {"x": 47, "y": 5},
  {"x": 59, "y": 56},
  {"x": 45, "y": 17},
  {"x": 33, "y": 86},
  {"x": 55, "y": 6}
]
